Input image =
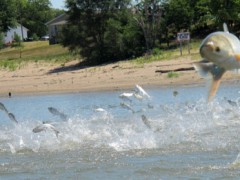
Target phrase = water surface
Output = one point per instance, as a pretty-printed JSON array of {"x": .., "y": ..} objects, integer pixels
[{"x": 187, "y": 138}]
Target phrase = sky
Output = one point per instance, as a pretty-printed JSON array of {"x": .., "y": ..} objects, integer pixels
[{"x": 58, "y": 4}]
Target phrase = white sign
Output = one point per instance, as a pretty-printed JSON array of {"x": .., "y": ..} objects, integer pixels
[{"x": 183, "y": 36}]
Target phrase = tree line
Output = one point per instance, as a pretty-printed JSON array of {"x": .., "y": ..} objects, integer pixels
[
  {"x": 33, "y": 14},
  {"x": 110, "y": 30}
]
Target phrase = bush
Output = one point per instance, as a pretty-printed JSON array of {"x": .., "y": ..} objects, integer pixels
[
  {"x": 156, "y": 51},
  {"x": 17, "y": 41},
  {"x": 35, "y": 37}
]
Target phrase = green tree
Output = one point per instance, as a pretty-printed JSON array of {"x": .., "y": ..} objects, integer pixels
[
  {"x": 1, "y": 40},
  {"x": 147, "y": 14},
  {"x": 225, "y": 11},
  {"x": 178, "y": 16},
  {"x": 94, "y": 29},
  {"x": 8, "y": 14},
  {"x": 34, "y": 16}
]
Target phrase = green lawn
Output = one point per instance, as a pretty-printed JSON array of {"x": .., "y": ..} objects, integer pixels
[
  {"x": 42, "y": 51},
  {"x": 34, "y": 51}
]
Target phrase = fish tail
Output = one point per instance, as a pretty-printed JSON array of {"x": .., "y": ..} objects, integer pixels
[
  {"x": 213, "y": 89},
  {"x": 215, "y": 71}
]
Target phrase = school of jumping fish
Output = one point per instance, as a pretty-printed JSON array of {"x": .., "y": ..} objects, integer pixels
[{"x": 220, "y": 52}]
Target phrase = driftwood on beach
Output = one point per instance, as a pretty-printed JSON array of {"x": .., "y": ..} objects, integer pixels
[{"x": 175, "y": 70}]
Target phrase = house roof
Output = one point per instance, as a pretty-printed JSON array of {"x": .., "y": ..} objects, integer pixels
[{"x": 59, "y": 20}]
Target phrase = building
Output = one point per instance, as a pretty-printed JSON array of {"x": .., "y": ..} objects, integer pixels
[
  {"x": 20, "y": 30},
  {"x": 55, "y": 28}
]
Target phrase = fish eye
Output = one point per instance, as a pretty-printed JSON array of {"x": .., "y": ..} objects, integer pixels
[{"x": 217, "y": 49}]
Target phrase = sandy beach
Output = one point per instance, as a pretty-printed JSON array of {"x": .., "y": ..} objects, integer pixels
[{"x": 36, "y": 78}]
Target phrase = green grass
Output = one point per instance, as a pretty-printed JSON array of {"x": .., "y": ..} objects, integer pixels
[
  {"x": 174, "y": 53},
  {"x": 41, "y": 51},
  {"x": 34, "y": 52},
  {"x": 172, "y": 74}
]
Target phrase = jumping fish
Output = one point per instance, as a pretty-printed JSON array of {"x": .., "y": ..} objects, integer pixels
[
  {"x": 46, "y": 126},
  {"x": 146, "y": 121},
  {"x": 54, "y": 111},
  {"x": 12, "y": 117},
  {"x": 127, "y": 106},
  {"x": 141, "y": 91},
  {"x": 220, "y": 52},
  {"x": 2, "y": 107}
]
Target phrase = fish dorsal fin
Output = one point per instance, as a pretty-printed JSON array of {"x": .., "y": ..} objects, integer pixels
[{"x": 225, "y": 28}]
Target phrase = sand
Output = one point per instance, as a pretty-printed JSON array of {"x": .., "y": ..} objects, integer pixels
[{"x": 36, "y": 78}]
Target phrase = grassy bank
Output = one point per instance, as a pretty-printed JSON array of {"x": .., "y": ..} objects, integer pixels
[
  {"x": 42, "y": 51},
  {"x": 173, "y": 53},
  {"x": 12, "y": 57}
]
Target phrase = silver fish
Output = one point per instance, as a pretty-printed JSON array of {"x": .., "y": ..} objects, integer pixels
[
  {"x": 2, "y": 107},
  {"x": 54, "y": 111},
  {"x": 127, "y": 106},
  {"x": 12, "y": 117},
  {"x": 221, "y": 51},
  {"x": 46, "y": 126},
  {"x": 146, "y": 121},
  {"x": 141, "y": 91}
]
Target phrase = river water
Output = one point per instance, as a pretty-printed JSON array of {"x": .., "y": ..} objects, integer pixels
[{"x": 105, "y": 137}]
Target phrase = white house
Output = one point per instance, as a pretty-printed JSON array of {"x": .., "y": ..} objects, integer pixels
[
  {"x": 55, "y": 28},
  {"x": 19, "y": 30}
]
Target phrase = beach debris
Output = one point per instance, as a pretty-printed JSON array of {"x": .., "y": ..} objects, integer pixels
[
  {"x": 139, "y": 90},
  {"x": 12, "y": 117},
  {"x": 127, "y": 106},
  {"x": 220, "y": 52},
  {"x": 56, "y": 112},
  {"x": 44, "y": 127}
]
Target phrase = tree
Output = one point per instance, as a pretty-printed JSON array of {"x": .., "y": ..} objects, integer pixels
[
  {"x": 1, "y": 40},
  {"x": 178, "y": 16},
  {"x": 148, "y": 14},
  {"x": 225, "y": 11},
  {"x": 8, "y": 14},
  {"x": 35, "y": 14},
  {"x": 90, "y": 24}
]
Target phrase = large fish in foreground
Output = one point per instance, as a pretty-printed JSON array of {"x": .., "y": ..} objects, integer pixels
[{"x": 220, "y": 52}]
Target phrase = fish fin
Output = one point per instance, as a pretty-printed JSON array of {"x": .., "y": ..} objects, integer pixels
[
  {"x": 216, "y": 72},
  {"x": 225, "y": 28},
  {"x": 203, "y": 69}
]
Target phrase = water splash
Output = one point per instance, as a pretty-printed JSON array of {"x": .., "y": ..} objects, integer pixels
[{"x": 185, "y": 126}]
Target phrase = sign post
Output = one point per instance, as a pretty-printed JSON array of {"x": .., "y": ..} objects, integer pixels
[{"x": 183, "y": 36}]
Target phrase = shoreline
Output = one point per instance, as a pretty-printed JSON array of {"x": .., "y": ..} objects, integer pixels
[{"x": 36, "y": 79}]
